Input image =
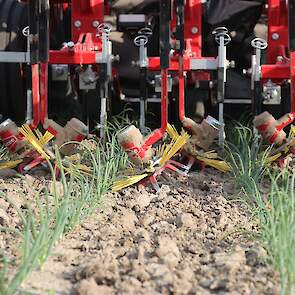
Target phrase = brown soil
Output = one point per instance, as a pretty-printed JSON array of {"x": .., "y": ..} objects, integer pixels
[{"x": 191, "y": 238}]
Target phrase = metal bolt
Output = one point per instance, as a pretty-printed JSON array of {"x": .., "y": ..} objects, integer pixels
[
  {"x": 195, "y": 30},
  {"x": 275, "y": 36},
  {"x": 95, "y": 23},
  {"x": 71, "y": 45},
  {"x": 77, "y": 24}
]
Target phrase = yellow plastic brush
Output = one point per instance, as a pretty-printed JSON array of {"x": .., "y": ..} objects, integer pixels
[
  {"x": 164, "y": 152},
  {"x": 215, "y": 163},
  {"x": 292, "y": 132},
  {"x": 37, "y": 141},
  {"x": 10, "y": 164},
  {"x": 282, "y": 150},
  {"x": 123, "y": 183},
  {"x": 178, "y": 142},
  {"x": 273, "y": 158},
  {"x": 172, "y": 132},
  {"x": 210, "y": 158}
]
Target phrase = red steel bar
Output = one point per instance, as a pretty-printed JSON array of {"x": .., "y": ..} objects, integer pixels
[
  {"x": 293, "y": 81},
  {"x": 43, "y": 91},
  {"x": 36, "y": 96}
]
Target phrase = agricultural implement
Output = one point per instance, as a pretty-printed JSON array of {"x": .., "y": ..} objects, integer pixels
[{"x": 196, "y": 57}]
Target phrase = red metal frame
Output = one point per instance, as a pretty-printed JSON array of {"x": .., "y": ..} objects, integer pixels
[
  {"x": 86, "y": 12},
  {"x": 35, "y": 95},
  {"x": 86, "y": 15},
  {"x": 193, "y": 41},
  {"x": 280, "y": 64},
  {"x": 292, "y": 76},
  {"x": 192, "y": 36},
  {"x": 84, "y": 52}
]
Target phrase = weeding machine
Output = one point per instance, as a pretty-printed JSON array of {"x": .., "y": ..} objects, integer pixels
[{"x": 77, "y": 62}]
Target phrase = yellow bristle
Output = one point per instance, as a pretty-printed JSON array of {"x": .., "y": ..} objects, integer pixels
[
  {"x": 217, "y": 164},
  {"x": 172, "y": 132},
  {"x": 292, "y": 131},
  {"x": 36, "y": 143},
  {"x": 39, "y": 134},
  {"x": 273, "y": 158},
  {"x": 160, "y": 150},
  {"x": 10, "y": 164},
  {"x": 174, "y": 147},
  {"x": 46, "y": 138},
  {"x": 123, "y": 183},
  {"x": 211, "y": 155}
]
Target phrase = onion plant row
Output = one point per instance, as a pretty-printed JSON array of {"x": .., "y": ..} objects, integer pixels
[
  {"x": 57, "y": 210},
  {"x": 274, "y": 208}
]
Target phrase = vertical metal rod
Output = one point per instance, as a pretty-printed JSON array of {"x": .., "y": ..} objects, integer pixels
[
  {"x": 181, "y": 104},
  {"x": 143, "y": 98},
  {"x": 143, "y": 81},
  {"x": 33, "y": 29},
  {"x": 257, "y": 87},
  {"x": 29, "y": 110},
  {"x": 103, "y": 111},
  {"x": 106, "y": 53},
  {"x": 179, "y": 34},
  {"x": 221, "y": 72}
]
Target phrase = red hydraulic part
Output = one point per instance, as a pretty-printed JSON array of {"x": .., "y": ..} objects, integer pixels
[{"x": 281, "y": 44}]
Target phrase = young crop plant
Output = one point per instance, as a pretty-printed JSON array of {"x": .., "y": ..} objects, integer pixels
[
  {"x": 274, "y": 210},
  {"x": 58, "y": 210}
]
